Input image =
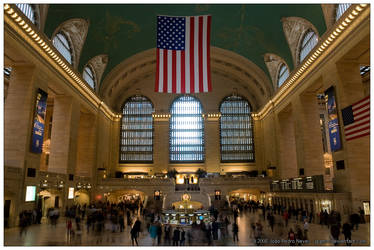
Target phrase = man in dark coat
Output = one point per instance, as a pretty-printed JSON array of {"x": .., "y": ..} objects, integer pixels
[
  {"x": 347, "y": 228},
  {"x": 176, "y": 236}
]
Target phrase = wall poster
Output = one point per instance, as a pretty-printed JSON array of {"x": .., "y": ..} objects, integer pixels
[
  {"x": 39, "y": 121},
  {"x": 333, "y": 122}
]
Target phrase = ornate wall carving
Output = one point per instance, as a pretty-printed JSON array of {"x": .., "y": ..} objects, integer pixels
[
  {"x": 76, "y": 29},
  {"x": 294, "y": 29},
  {"x": 329, "y": 14},
  {"x": 273, "y": 63},
  {"x": 98, "y": 64}
]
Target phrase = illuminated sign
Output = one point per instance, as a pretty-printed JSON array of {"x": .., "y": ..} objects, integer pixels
[
  {"x": 71, "y": 193},
  {"x": 30, "y": 193}
]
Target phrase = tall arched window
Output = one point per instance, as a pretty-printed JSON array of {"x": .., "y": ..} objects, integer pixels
[
  {"x": 340, "y": 9},
  {"x": 282, "y": 74},
  {"x": 88, "y": 75},
  {"x": 61, "y": 43},
  {"x": 137, "y": 131},
  {"x": 309, "y": 41},
  {"x": 28, "y": 10},
  {"x": 236, "y": 128},
  {"x": 186, "y": 130}
]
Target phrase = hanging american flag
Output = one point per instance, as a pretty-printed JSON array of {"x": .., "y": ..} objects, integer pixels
[
  {"x": 356, "y": 119},
  {"x": 183, "y": 54}
]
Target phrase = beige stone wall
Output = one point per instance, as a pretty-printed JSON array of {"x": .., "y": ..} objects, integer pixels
[{"x": 86, "y": 154}]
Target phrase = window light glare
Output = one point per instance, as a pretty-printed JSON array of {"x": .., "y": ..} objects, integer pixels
[
  {"x": 18, "y": 19},
  {"x": 336, "y": 34},
  {"x": 358, "y": 8},
  {"x": 363, "y": 5},
  {"x": 354, "y": 12},
  {"x": 14, "y": 15},
  {"x": 22, "y": 23},
  {"x": 344, "y": 23},
  {"x": 347, "y": 20},
  {"x": 6, "y": 6}
]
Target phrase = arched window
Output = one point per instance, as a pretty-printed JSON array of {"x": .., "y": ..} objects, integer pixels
[
  {"x": 282, "y": 74},
  {"x": 309, "y": 41},
  {"x": 186, "y": 130},
  {"x": 340, "y": 9},
  {"x": 137, "y": 131},
  {"x": 28, "y": 10},
  {"x": 236, "y": 130},
  {"x": 88, "y": 75},
  {"x": 62, "y": 45}
]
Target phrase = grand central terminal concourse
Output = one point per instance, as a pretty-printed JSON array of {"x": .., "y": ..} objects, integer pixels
[{"x": 186, "y": 124}]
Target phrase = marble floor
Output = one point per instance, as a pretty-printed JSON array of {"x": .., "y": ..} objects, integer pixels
[{"x": 48, "y": 235}]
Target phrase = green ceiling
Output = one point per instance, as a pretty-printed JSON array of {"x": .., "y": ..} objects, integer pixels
[{"x": 121, "y": 31}]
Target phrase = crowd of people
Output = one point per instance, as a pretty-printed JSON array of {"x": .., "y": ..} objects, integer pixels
[{"x": 101, "y": 219}]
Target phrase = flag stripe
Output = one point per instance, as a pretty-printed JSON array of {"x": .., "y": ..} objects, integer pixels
[
  {"x": 360, "y": 105},
  {"x": 161, "y": 81},
  {"x": 208, "y": 53},
  {"x": 366, "y": 98},
  {"x": 360, "y": 135},
  {"x": 174, "y": 73},
  {"x": 192, "y": 54},
  {"x": 196, "y": 53},
  {"x": 183, "y": 73},
  {"x": 178, "y": 71},
  {"x": 360, "y": 121},
  {"x": 201, "y": 89},
  {"x": 187, "y": 56},
  {"x": 357, "y": 129},
  {"x": 361, "y": 114},
  {"x": 204, "y": 45},
  {"x": 157, "y": 71},
  {"x": 165, "y": 75},
  {"x": 170, "y": 63},
  {"x": 362, "y": 110}
]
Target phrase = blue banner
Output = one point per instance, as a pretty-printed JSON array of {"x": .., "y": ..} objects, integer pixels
[
  {"x": 39, "y": 120},
  {"x": 333, "y": 123}
]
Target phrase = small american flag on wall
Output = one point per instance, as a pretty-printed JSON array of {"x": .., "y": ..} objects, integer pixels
[
  {"x": 183, "y": 54},
  {"x": 356, "y": 119}
]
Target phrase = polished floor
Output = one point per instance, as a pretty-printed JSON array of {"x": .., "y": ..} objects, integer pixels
[{"x": 48, "y": 235}]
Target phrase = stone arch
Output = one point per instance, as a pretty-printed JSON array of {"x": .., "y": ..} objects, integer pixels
[
  {"x": 329, "y": 14},
  {"x": 227, "y": 64},
  {"x": 98, "y": 65},
  {"x": 273, "y": 63},
  {"x": 76, "y": 30},
  {"x": 294, "y": 29}
]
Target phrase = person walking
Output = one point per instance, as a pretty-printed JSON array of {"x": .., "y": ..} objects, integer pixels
[
  {"x": 335, "y": 231},
  {"x": 153, "y": 233},
  {"x": 347, "y": 231},
  {"x": 285, "y": 217},
  {"x": 183, "y": 237},
  {"x": 306, "y": 228},
  {"x": 271, "y": 222},
  {"x": 176, "y": 236},
  {"x": 135, "y": 232},
  {"x": 235, "y": 230},
  {"x": 159, "y": 233}
]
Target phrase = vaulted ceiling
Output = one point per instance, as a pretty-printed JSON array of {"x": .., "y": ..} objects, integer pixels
[{"x": 121, "y": 31}]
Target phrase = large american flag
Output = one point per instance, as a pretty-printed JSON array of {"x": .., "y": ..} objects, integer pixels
[
  {"x": 183, "y": 54},
  {"x": 356, "y": 119}
]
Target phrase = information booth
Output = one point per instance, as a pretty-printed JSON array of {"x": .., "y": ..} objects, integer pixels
[{"x": 185, "y": 217}]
